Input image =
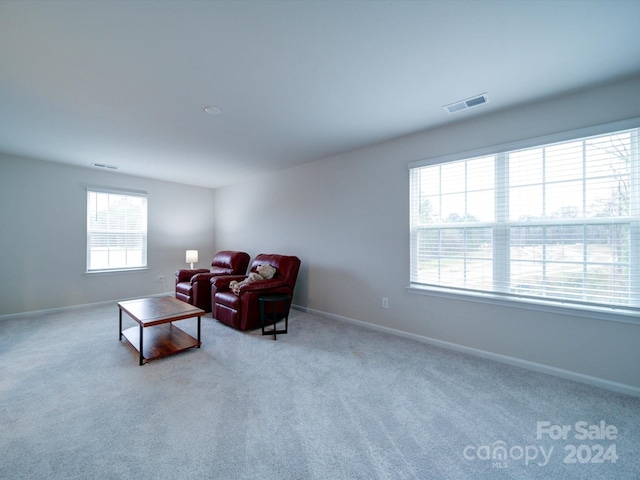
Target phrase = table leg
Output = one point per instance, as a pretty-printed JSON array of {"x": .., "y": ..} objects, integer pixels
[
  {"x": 120, "y": 324},
  {"x": 141, "y": 355},
  {"x": 198, "y": 331}
]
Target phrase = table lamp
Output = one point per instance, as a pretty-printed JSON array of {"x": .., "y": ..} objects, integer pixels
[{"x": 192, "y": 257}]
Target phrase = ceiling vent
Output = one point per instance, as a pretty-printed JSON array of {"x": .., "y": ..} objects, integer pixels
[
  {"x": 104, "y": 165},
  {"x": 468, "y": 103}
]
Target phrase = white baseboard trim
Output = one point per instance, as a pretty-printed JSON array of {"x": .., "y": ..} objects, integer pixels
[
  {"x": 513, "y": 361},
  {"x": 69, "y": 308}
]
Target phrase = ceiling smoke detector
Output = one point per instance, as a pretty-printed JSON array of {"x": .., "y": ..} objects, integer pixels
[
  {"x": 213, "y": 110},
  {"x": 468, "y": 103}
]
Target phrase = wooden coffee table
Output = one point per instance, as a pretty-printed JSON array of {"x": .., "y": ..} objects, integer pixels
[{"x": 156, "y": 336}]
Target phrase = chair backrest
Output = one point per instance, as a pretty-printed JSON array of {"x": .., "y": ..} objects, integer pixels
[
  {"x": 228, "y": 262},
  {"x": 287, "y": 266}
]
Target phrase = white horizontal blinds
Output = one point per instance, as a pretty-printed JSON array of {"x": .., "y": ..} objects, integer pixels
[
  {"x": 116, "y": 230},
  {"x": 570, "y": 221},
  {"x": 454, "y": 223},
  {"x": 414, "y": 220},
  {"x": 558, "y": 221}
]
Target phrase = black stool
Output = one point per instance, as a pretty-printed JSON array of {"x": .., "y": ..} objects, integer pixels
[{"x": 274, "y": 308}]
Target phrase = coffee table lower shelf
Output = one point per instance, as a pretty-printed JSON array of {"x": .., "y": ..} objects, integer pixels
[{"x": 160, "y": 340}]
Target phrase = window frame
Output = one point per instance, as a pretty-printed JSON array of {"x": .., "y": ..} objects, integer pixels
[
  {"x": 89, "y": 189},
  {"x": 624, "y": 314}
]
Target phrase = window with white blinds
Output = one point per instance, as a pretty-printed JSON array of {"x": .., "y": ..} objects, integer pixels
[
  {"x": 116, "y": 230},
  {"x": 558, "y": 222}
]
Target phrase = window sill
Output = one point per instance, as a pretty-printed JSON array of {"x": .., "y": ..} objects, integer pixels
[
  {"x": 620, "y": 314},
  {"x": 116, "y": 271}
]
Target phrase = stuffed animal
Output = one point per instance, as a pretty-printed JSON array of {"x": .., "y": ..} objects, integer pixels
[{"x": 263, "y": 272}]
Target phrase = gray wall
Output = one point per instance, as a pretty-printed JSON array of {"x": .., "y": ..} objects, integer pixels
[
  {"x": 43, "y": 235},
  {"x": 347, "y": 218}
]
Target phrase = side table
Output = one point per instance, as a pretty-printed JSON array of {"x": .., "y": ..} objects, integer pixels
[{"x": 274, "y": 308}]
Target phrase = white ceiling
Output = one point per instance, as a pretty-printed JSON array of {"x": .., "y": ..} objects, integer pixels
[{"x": 125, "y": 83}]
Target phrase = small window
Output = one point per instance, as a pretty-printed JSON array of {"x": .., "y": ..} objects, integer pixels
[
  {"x": 558, "y": 222},
  {"x": 116, "y": 230}
]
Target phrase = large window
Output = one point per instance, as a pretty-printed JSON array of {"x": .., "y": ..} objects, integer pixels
[
  {"x": 116, "y": 230},
  {"x": 558, "y": 222}
]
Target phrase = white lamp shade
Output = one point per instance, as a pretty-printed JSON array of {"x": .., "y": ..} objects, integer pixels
[{"x": 192, "y": 256}]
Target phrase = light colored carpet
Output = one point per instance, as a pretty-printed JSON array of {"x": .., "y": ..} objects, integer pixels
[{"x": 327, "y": 401}]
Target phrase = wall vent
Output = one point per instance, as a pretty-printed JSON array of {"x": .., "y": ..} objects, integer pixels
[
  {"x": 468, "y": 103},
  {"x": 104, "y": 165}
]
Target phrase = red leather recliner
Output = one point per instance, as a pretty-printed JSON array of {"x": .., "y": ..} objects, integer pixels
[
  {"x": 194, "y": 287},
  {"x": 243, "y": 311}
]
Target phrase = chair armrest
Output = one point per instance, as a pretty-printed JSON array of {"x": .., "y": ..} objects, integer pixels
[
  {"x": 222, "y": 283},
  {"x": 203, "y": 277},
  {"x": 185, "y": 275},
  {"x": 262, "y": 285}
]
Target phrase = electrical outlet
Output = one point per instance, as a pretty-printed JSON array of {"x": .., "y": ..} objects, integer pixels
[{"x": 385, "y": 302}]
